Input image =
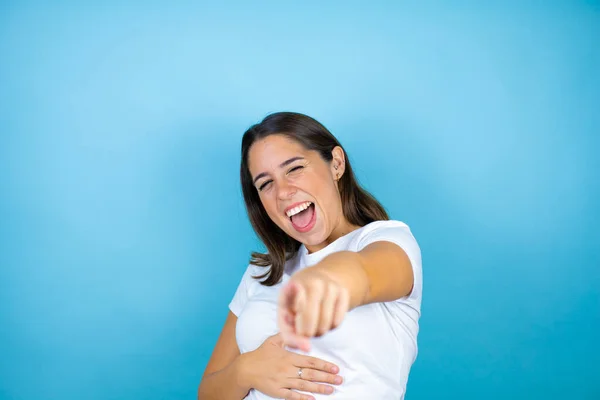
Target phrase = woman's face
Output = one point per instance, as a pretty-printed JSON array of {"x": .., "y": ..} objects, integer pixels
[{"x": 298, "y": 189}]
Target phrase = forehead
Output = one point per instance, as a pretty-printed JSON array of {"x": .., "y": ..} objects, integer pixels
[{"x": 271, "y": 151}]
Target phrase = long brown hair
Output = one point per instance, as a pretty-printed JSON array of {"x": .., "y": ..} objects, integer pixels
[{"x": 359, "y": 206}]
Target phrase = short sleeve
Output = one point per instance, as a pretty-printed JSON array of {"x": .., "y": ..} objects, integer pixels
[
  {"x": 399, "y": 233},
  {"x": 243, "y": 291}
]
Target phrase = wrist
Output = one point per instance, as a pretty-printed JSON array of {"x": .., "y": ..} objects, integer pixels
[
  {"x": 346, "y": 269},
  {"x": 243, "y": 371}
]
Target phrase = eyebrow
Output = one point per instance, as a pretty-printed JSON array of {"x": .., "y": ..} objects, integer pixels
[{"x": 283, "y": 164}]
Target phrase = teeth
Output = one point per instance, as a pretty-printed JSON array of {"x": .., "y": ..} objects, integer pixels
[{"x": 297, "y": 209}]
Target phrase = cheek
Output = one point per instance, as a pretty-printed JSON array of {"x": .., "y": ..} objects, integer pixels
[
  {"x": 270, "y": 207},
  {"x": 329, "y": 198}
]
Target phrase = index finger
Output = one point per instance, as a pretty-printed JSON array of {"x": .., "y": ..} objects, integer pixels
[
  {"x": 290, "y": 296},
  {"x": 285, "y": 316}
]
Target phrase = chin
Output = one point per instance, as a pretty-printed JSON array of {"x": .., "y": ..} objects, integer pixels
[{"x": 316, "y": 237}]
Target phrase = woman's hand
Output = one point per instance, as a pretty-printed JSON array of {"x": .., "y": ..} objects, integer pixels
[
  {"x": 274, "y": 371},
  {"x": 312, "y": 303}
]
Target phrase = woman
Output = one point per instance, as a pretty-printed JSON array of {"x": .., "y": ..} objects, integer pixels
[{"x": 332, "y": 309}]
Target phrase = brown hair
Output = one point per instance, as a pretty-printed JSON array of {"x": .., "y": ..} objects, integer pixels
[{"x": 359, "y": 206}]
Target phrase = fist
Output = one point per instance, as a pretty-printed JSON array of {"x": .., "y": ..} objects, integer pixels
[{"x": 310, "y": 304}]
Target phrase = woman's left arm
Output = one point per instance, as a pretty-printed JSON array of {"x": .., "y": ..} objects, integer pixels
[
  {"x": 316, "y": 299},
  {"x": 378, "y": 273}
]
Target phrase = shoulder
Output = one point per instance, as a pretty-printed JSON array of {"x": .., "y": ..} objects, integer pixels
[
  {"x": 251, "y": 276},
  {"x": 255, "y": 275},
  {"x": 253, "y": 272},
  {"x": 394, "y": 231},
  {"x": 390, "y": 224},
  {"x": 390, "y": 228}
]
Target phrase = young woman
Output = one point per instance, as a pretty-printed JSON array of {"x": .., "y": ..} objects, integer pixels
[{"x": 332, "y": 309}]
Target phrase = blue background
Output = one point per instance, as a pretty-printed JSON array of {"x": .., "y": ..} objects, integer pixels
[{"x": 122, "y": 229}]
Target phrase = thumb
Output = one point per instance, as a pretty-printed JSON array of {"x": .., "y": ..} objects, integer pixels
[{"x": 277, "y": 339}]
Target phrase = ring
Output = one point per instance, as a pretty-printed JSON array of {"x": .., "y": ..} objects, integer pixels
[{"x": 300, "y": 373}]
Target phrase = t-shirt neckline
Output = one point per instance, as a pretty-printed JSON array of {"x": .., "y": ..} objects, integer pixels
[{"x": 313, "y": 258}]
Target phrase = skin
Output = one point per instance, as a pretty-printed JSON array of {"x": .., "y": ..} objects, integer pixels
[
  {"x": 271, "y": 369},
  {"x": 315, "y": 300},
  {"x": 307, "y": 179}
]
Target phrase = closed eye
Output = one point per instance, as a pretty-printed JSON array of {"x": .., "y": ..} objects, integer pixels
[{"x": 264, "y": 185}]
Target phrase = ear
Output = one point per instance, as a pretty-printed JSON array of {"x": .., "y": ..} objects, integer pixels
[{"x": 338, "y": 163}]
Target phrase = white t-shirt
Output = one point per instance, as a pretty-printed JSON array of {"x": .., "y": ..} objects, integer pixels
[{"x": 375, "y": 345}]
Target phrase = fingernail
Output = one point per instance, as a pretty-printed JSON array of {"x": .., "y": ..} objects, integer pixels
[
  {"x": 328, "y": 389},
  {"x": 334, "y": 369},
  {"x": 338, "y": 380}
]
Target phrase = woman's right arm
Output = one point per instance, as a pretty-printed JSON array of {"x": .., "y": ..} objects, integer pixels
[
  {"x": 224, "y": 378},
  {"x": 269, "y": 369}
]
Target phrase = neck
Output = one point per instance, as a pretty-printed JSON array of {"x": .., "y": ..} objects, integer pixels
[{"x": 342, "y": 229}]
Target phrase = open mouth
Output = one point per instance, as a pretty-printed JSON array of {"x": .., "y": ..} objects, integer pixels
[{"x": 302, "y": 217}]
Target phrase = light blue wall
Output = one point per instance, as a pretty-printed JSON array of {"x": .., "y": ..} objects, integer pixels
[{"x": 122, "y": 230}]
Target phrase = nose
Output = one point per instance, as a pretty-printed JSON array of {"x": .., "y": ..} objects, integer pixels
[{"x": 284, "y": 190}]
